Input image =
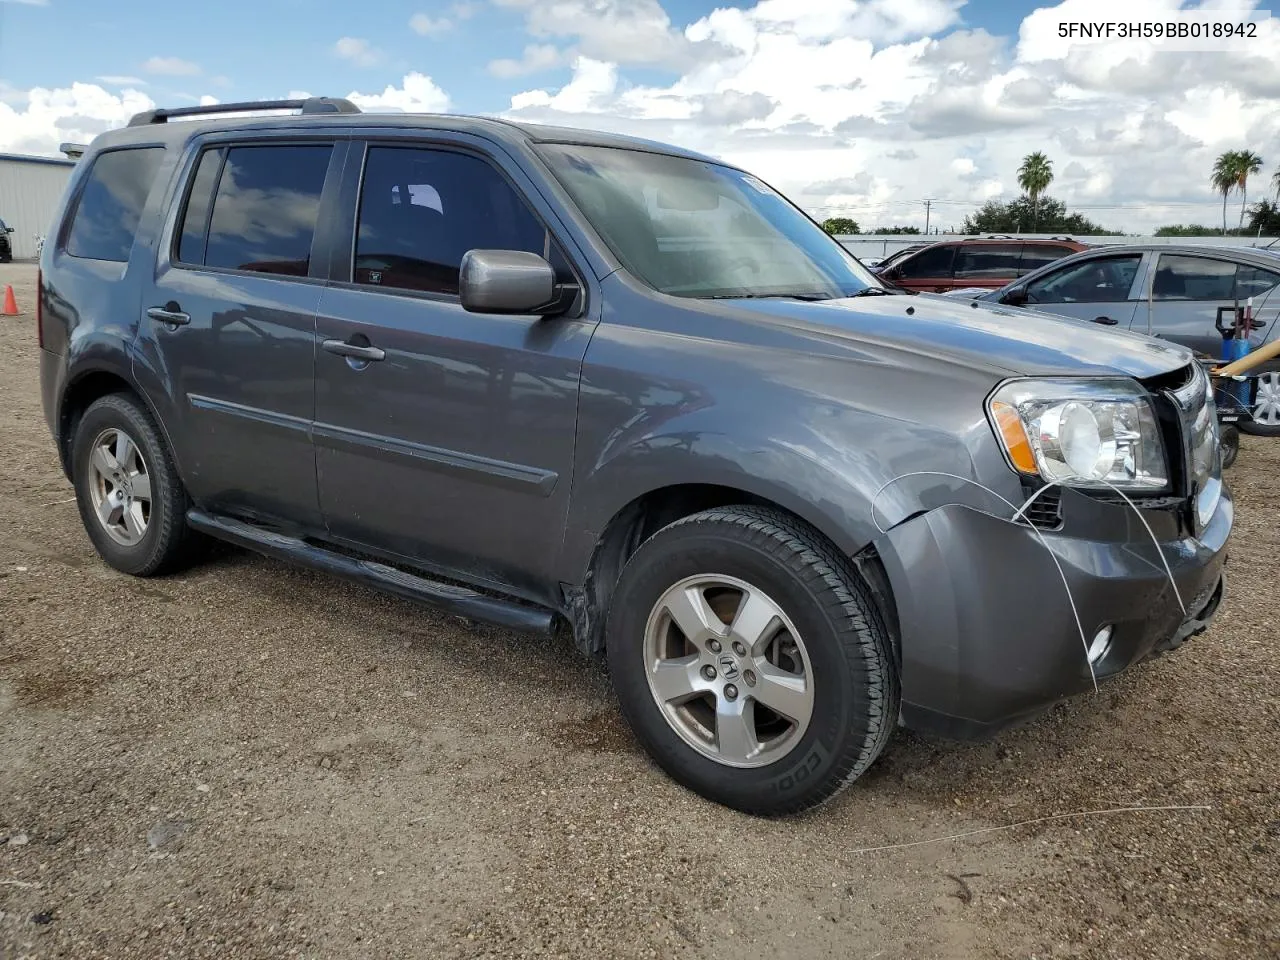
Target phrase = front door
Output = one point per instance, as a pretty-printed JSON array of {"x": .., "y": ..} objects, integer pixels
[
  {"x": 1102, "y": 289},
  {"x": 448, "y": 439},
  {"x": 229, "y": 324}
]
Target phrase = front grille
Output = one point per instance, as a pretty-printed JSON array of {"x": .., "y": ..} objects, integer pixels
[
  {"x": 1196, "y": 450},
  {"x": 1045, "y": 511}
]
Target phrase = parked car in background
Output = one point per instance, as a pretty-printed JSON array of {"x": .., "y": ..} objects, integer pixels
[
  {"x": 987, "y": 263},
  {"x": 6, "y": 247},
  {"x": 882, "y": 264},
  {"x": 1174, "y": 292}
]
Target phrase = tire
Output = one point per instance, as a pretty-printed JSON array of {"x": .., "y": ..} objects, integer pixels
[
  {"x": 1268, "y": 396},
  {"x": 828, "y": 637},
  {"x": 1230, "y": 442},
  {"x": 145, "y": 537}
]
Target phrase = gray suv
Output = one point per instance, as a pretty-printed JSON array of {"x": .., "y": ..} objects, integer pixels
[{"x": 555, "y": 379}]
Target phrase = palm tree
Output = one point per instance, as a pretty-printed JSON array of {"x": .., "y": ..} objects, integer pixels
[
  {"x": 1275, "y": 181},
  {"x": 1034, "y": 176},
  {"x": 1224, "y": 180},
  {"x": 1247, "y": 163}
]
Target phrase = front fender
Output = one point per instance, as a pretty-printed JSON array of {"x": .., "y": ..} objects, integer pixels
[{"x": 836, "y": 471}]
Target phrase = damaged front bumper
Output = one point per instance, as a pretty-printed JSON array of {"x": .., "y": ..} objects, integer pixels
[{"x": 987, "y": 633}]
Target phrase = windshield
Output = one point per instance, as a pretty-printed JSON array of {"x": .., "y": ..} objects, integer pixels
[{"x": 691, "y": 228}]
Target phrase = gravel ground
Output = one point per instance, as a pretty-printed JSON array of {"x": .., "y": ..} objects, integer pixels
[{"x": 248, "y": 760}]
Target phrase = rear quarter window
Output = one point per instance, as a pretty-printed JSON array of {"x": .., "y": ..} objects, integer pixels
[{"x": 110, "y": 205}]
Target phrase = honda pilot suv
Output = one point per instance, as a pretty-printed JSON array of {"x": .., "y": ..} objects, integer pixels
[{"x": 562, "y": 380}]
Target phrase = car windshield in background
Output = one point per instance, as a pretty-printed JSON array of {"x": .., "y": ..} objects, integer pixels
[{"x": 691, "y": 228}]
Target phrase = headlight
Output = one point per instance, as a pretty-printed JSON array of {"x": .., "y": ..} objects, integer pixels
[{"x": 1081, "y": 432}]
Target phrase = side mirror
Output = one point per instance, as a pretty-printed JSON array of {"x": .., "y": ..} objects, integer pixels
[
  {"x": 1015, "y": 297},
  {"x": 508, "y": 281},
  {"x": 8, "y": 229}
]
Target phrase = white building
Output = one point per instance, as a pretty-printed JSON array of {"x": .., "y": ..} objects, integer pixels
[{"x": 30, "y": 191}]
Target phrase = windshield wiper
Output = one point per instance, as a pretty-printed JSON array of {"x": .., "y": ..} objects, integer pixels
[
  {"x": 810, "y": 297},
  {"x": 874, "y": 292}
]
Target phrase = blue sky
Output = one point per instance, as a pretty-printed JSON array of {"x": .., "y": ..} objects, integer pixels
[
  {"x": 853, "y": 107},
  {"x": 255, "y": 48}
]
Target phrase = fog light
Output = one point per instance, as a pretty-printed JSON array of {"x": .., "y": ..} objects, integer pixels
[{"x": 1101, "y": 645}]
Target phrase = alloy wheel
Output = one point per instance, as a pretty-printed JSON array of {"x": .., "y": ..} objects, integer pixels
[
  {"x": 120, "y": 487},
  {"x": 728, "y": 670}
]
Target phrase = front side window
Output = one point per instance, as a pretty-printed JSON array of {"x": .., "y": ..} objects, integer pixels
[
  {"x": 987, "y": 261},
  {"x": 1193, "y": 278},
  {"x": 931, "y": 263},
  {"x": 265, "y": 205},
  {"x": 115, "y": 191},
  {"x": 694, "y": 228},
  {"x": 1101, "y": 280},
  {"x": 422, "y": 209}
]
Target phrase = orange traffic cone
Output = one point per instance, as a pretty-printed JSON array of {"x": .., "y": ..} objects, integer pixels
[{"x": 10, "y": 304}]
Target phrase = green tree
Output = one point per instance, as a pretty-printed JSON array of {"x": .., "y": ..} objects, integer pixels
[
  {"x": 896, "y": 231},
  {"x": 1264, "y": 217},
  {"x": 1224, "y": 179},
  {"x": 1247, "y": 163},
  {"x": 1013, "y": 217},
  {"x": 1187, "y": 230},
  {"x": 839, "y": 225},
  {"x": 1034, "y": 176}
]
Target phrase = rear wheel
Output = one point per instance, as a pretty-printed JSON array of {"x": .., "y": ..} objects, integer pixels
[
  {"x": 131, "y": 501},
  {"x": 751, "y": 661}
]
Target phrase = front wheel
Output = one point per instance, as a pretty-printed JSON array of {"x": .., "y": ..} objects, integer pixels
[
  {"x": 751, "y": 661},
  {"x": 1266, "y": 407}
]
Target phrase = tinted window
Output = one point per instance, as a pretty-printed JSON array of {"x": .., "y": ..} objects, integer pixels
[
  {"x": 195, "y": 221},
  {"x": 1256, "y": 282},
  {"x": 931, "y": 262},
  {"x": 988, "y": 261},
  {"x": 1194, "y": 278},
  {"x": 1101, "y": 280},
  {"x": 421, "y": 210},
  {"x": 1037, "y": 255},
  {"x": 115, "y": 192},
  {"x": 265, "y": 209}
]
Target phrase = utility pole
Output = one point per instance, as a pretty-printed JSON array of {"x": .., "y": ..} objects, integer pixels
[{"x": 927, "y": 204}]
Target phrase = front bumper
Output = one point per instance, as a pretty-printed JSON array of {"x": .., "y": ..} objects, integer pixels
[{"x": 987, "y": 633}]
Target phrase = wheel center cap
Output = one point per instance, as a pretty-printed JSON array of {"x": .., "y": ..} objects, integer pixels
[{"x": 729, "y": 667}]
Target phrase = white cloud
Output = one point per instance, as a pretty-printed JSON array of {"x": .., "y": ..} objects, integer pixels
[
  {"x": 28, "y": 3},
  {"x": 44, "y": 118},
  {"x": 876, "y": 101},
  {"x": 536, "y": 58},
  {"x": 122, "y": 81},
  {"x": 426, "y": 26},
  {"x": 171, "y": 67},
  {"x": 358, "y": 51},
  {"x": 417, "y": 93}
]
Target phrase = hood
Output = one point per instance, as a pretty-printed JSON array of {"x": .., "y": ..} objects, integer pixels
[{"x": 1003, "y": 340}]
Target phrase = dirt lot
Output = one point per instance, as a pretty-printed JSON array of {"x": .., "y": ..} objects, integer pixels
[{"x": 247, "y": 760}]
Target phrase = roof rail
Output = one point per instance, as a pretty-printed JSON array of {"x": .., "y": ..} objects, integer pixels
[{"x": 307, "y": 107}]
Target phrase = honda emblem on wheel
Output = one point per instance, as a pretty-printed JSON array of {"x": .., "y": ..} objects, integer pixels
[{"x": 728, "y": 667}]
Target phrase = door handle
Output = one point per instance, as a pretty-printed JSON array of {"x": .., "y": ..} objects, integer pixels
[
  {"x": 354, "y": 350},
  {"x": 1105, "y": 321},
  {"x": 169, "y": 314}
]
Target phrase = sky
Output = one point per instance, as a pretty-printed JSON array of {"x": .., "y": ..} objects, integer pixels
[{"x": 861, "y": 108}]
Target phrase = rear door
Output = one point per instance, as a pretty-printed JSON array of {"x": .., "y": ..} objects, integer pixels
[
  {"x": 229, "y": 321},
  {"x": 1189, "y": 290},
  {"x": 990, "y": 265},
  {"x": 1103, "y": 289},
  {"x": 454, "y": 447}
]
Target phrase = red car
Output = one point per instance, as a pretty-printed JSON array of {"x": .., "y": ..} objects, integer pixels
[{"x": 989, "y": 262}]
